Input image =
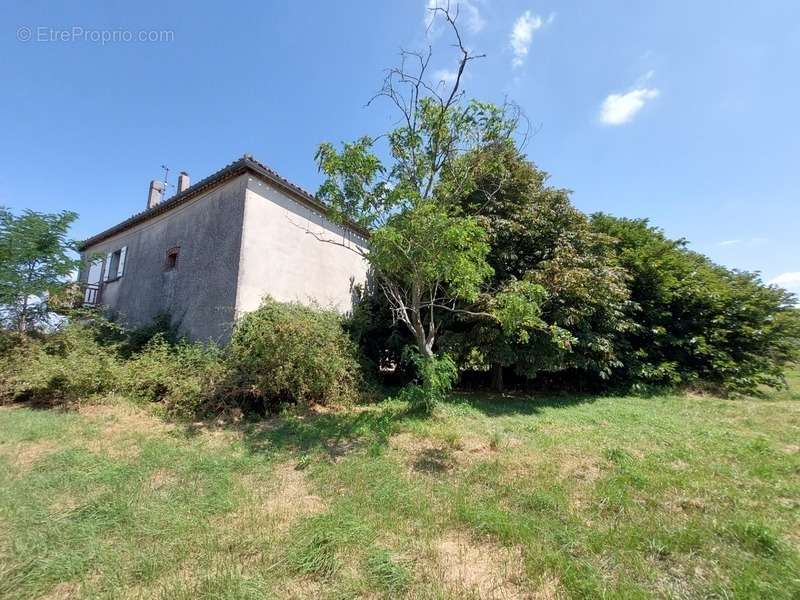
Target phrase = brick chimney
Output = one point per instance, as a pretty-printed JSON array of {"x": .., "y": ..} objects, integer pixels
[
  {"x": 183, "y": 181},
  {"x": 156, "y": 193}
]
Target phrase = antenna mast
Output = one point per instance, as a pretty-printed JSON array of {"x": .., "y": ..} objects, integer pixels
[{"x": 167, "y": 184}]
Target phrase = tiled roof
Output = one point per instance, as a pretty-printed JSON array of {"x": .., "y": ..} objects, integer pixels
[{"x": 244, "y": 165}]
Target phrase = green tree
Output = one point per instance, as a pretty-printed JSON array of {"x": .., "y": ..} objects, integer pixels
[
  {"x": 698, "y": 322},
  {"x": 427, "y": 259},
  {"x": 35, "y": 265},
  {"x": 537, "y": 236}
]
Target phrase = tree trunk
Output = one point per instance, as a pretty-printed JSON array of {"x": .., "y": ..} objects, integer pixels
[
  {"x": 425, "y": 348},
  {"x": 497, "y": 377},
  {"x": 22, "y": 325}
]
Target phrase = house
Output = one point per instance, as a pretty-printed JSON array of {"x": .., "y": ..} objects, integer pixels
[{"x": 216, "y": 248}]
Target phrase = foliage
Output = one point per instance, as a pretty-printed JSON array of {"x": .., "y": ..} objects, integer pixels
[
  {"x": 436, "y": 376},
  {"x": 425, "y": 257},
  {"x": 292, "y": 353},
  {"x": 67, "y": 366},
  {"x": 185, "y": 377},
  {"x": 697, "y": 322},
  {"x": 561, "y": 272},
  {"x": 377, "y": 335},
  {"x": 137, "y": 339},
  {"x": 35, "y": 264}
]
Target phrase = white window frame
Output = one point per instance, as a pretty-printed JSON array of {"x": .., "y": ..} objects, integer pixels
[{"x": 115, "y": 261}]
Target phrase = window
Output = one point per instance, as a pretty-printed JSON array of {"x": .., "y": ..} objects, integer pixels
[
  {"x": 171, "y": 261},
  {"x": 115, "y": 264}
]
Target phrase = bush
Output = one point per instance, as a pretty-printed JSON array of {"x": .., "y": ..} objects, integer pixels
[
  {"x": 436, "y": 376},
  {"x": 137, "y": 339},
  {"x": 292, "y": 353},
  {"x": 184, "y": 376},
  {"x": 697, "y": 323},
  {"x": 63, "y": 367}
]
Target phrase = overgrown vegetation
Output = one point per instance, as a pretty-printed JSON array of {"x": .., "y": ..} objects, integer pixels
[
  {"x": 505, "y": 497},
  {"x": 477, "y": 260},
  {"x": 482, "y": 275},
  {"x": 279, "y": 354},
  {"x": 293, "y": 353}
]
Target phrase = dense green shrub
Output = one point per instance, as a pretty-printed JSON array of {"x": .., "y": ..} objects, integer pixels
[
  {"x": 135, "y": 340},
  {"x": 435, "y": 378},
  {"x": 292, "y": 353},
  {"x": 697, "y": 323},
  {"x": 185, "y": 377},
  {"x": 66, "y": 366}
]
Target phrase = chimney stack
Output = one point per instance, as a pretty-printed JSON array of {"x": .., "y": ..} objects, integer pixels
[
  {"x": 183, "y": 181},
  {"x": 156, "y": 193}
]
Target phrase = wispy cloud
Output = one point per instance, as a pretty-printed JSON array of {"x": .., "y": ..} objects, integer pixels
[
  {"x": 522, "y": 35},
  {"x": 466, "y": 9},
  {"x": 618, "y": 109},
  {"x": 444, "y": 76},
  {"x": 754, "y": 241}
]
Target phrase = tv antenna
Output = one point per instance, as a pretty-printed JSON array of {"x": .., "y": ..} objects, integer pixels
[{"x": 167, "y": 184}]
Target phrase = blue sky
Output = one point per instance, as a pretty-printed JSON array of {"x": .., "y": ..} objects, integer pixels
[{"x": 684, "y": 112}]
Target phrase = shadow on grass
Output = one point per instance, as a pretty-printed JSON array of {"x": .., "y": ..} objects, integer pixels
[
  {"x": 338, "y": 432},
  {"x": 335, "y": 433},
  {"x": 498, "y": 405}
]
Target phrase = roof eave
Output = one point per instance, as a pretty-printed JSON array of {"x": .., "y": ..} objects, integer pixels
[{"x": 243, "y": 165}]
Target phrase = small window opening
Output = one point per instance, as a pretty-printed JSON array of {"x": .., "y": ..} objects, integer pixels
[
  {"x": 113, "y": 267},
  {"x": 171, "y": 261}
]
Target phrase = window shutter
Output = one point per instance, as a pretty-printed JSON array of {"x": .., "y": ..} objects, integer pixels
[
  {"x": 121, "y": 268},
  {"x": 106, "y": 274}
]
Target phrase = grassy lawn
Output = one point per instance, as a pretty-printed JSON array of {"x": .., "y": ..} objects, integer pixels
[{"x": 681, "y": 497}]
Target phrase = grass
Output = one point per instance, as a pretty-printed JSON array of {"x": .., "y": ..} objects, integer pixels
[{"x": 492, "y": 497}]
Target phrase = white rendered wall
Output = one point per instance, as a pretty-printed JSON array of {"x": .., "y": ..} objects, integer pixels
[{"x": 281, "y": 258}]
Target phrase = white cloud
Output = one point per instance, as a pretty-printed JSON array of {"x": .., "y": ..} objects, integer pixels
[
  {"x": 444, "y": 76},
  {"x": 618, "y": 109},
  {"x": 522, "y": 35},
  {"x": 466, "y": 10},
  {"x": 789, "y": 281},
  {"x": 729, "y": 242}
]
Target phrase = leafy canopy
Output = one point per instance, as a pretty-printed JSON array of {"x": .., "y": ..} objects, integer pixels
[{"x": 35, "y": 264}]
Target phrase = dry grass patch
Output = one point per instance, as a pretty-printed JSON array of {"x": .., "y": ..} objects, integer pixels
[
  {"x": 124, "y": 418},
  {"x": 275, "y": 502},
  {"x": 162, "y": 480},
  {"x": 436, "y": 456},
  {"x": 486, "y": 570},
  {"x": 25, "y": 455},
  {"x": 66, "y": 590},
  {"x": 120, "y": 427}
]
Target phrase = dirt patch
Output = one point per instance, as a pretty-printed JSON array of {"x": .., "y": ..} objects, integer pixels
[{"x": 487, "y": 570}]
